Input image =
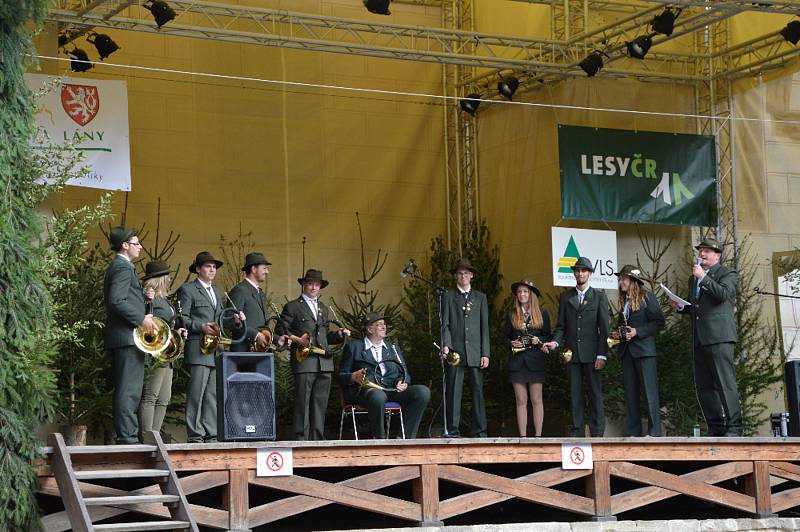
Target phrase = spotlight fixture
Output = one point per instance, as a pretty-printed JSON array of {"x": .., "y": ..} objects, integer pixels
[
  {"x": 379, "y": 7},
  {"x": 664, "y": 23},
  {"x": 639, "y": 47},
  {"x": 160, "y": 10},
  {"x": 592, "y": 63},
  {"x": 79, "y": 60},
  {"x": 470, "y": 103},
  {"x": 508, "y": 87},
  {"x": 791, "y": 33},
  {"x": 105, "y": 45}
]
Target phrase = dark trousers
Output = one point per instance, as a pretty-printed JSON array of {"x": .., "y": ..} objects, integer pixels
[
  {"x": 201, "y": 404},
  {"x": 641, "y": 375},
  {"x": 128, "y": 382},
  {"x": 310, "y": 402},
  {"x": 715, "y": 380},
  {"x": 597, "y": 417},
  {"x": 413, "y": 400},
  {"x": 455, "y": 387}
]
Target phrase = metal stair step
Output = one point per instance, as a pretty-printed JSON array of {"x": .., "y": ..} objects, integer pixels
[
  {"x": 106, "y": 449},
  {"x": 130, "y": 499},
  {"x": 110, "y": 474},
  {"x": 144, "y": 525}
]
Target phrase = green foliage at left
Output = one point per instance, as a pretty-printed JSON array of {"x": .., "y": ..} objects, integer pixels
[{"x": 26, "y": 385}]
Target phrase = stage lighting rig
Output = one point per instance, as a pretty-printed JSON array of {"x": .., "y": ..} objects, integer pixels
[
  {"x": 507, "y": 87},
  {"x": 160, "y": 10},
  {"x": 639, "y": 47},
  {"x": 592, "y": 63},
  {"x": 379, "y": 7},
  {"x": 470, "y": 103},
  {"x": 791, "y": 33},
  {"x": 664, "y": 23},
  {"x": 105, "y": 45},
  {"x": 79, "y": 60}
]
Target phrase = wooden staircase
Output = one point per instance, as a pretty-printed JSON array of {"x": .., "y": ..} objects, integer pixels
[{"x": 159, "y": 468}]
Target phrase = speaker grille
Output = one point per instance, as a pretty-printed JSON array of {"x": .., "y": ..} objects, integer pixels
[{"x": 249, "y": 410}]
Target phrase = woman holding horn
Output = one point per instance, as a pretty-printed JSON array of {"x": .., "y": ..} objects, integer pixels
[
  {"x": 157, "y": 389},
  {"x": 527, "y": 328}
]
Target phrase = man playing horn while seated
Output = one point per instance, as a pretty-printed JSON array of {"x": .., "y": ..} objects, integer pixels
[{"x": 373, "y": 373}]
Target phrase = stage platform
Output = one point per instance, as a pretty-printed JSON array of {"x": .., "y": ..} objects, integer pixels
[{"x": 434, "y": 481}]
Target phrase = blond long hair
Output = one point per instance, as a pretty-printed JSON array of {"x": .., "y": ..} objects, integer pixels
[
  {"x": 534, "y": 309},
  {"x": 636, "y": 295},
  {"x": 160, "y": 284}
]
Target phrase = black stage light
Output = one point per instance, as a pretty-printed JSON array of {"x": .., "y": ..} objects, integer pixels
[
  {"x": 665, "y": 22},
  {"x": 639, "y": 47},
  {"x": 80, "y": 60},
  {"x": 470, "y": 103},
  {"x": 160, "y": 10},
  {"x": 105, "y": 45},
  {"x": 592, "y": 63},
  {"x": 791, "y": 33},
  {"x": 379, "y": 7},
  {"x": 508, "y": 87}
]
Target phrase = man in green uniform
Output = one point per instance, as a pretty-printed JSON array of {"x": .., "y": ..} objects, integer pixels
[
  {"x": 306, "y": 321},
  {"x": 712, "y": 294},
  {"x": 466, "y": 331},
  {"x": 125, "y": 311},
  {"x": 583, "y": 326},
  {"x": 201, "y": 306},
  {"x": 249, "y": 297}
]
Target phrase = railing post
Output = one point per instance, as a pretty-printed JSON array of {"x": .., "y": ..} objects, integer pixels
[
  {"x": 236, "y": 500},
  {"x": 426, "y": 494},
  {"x": 598, "y": 487},
  {"x": 757, "y": 486}
]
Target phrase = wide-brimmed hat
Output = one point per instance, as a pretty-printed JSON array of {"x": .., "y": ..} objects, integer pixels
[
  {"x": 254, "y": 259},
  {"x": 202, "y": 258},
  {"x": 118, "y": 235},
  {"x": 372, "y": 317},
  {"x": 631, "y": 271},
  {"x": 313, "y": 275},
  {"x": 527, "y": 283},
  {"x": 155, "y": 268},
  {"x": 585, "y": 263},
  {"x": 710, "y": 243},
  {"x": 463, "y": 264}
]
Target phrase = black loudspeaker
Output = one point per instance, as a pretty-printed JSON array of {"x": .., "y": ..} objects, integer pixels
[
  {"x": 791, "y": 374},
  {"x": 245, "y": 397}
]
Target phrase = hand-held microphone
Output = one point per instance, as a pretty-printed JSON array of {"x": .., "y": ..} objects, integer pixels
[
  {"x": 408, "y": 269},
  {"x": 698, "y": 261}
]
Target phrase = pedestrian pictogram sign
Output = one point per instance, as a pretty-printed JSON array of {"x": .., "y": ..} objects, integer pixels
[
  {"x": 576, "y": 456},
  {"x": 274, "y": 462}
]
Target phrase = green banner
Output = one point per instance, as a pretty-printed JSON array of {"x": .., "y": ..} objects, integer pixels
[{"x": 637, "y": 176}]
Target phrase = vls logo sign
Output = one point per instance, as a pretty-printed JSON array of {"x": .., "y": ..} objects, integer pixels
[
  {"x": 81, "y": 102},
  {"x": 639, "y": 167}
]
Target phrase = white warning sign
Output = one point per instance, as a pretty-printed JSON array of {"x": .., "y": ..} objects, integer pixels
[
  {"x": 576, "y": 456},
  {"x": 271, "y": 462}
]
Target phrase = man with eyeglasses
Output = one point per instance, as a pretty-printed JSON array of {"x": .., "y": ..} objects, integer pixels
[
  {"x": 466, "y": 331},
  {"x": 125, "y": 310}
]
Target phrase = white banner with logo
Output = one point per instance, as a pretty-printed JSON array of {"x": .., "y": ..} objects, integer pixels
[
  {"x": 92, "y": 115},
  {"x": 600, "y": 247}
]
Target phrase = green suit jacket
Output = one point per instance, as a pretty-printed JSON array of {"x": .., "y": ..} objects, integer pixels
[
  {"x": 253, "y": 302},
  {"x": 196, "y": 310},
  {"x": 713, "y": 312},
  {"x": 466, "y": 325},
  {"x": 162, "y": 309},
  {"x": 297, "y": 318},
  {"x": 124, "y": 303},
  {"x": 583, "y": 328}
]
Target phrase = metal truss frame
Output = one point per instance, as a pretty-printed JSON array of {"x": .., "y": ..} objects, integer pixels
[{"x": 711, "y": 67}]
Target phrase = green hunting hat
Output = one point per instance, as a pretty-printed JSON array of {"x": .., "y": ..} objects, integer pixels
[
  {"x": 254, "y": 259},
  {"x": 710, "y": 243},
  {"x": 118, "y": 235},
  {"x": 313, "y": 275},
  {"x": 155, "y": 268},
  {"x": 372, "y": 317},
  {"x": 528, "y": 283},
  {"x": 631, "y": 271},
  {"x": 202, "y": 258},
  {"x": 583, "y": 263}
]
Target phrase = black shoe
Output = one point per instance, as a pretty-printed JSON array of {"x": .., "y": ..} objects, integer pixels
[{"x": 733, "y": 434}]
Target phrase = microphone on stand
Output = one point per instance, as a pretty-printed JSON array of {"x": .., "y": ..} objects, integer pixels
[{"x": 408, "y": 269}]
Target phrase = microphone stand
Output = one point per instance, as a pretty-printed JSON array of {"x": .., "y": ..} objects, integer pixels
[
  {"x": 761, "y": 292},
  {"x": 440, "y": 295}
]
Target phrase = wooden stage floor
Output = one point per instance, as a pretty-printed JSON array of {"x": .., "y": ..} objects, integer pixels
[{"x": 434, "y": 481}]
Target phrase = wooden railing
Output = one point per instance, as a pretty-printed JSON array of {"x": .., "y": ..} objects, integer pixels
[{"x": 429, "y": 464}]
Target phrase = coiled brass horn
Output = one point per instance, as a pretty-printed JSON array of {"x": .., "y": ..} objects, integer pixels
[
  {"x": 173, "y": 351},
  {"x": 451, "y": 357},
  {"x": 302, "y": 353},
  {"x": 566, "y": 355},
  {"x": 211, "y": 342},
  {"x": 155, "y": 342},
  {"x": 528, "y": 342}
]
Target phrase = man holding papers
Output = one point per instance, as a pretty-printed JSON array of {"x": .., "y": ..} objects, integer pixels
[{"x": 712, "y": 296}]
